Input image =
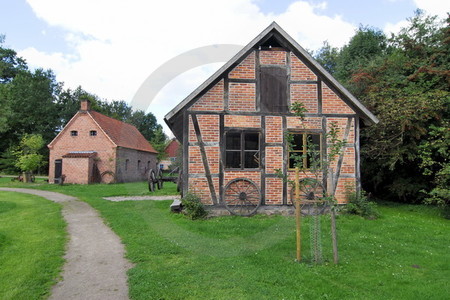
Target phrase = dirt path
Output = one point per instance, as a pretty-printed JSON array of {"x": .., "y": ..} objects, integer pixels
[{"x": 95, "y": 266}]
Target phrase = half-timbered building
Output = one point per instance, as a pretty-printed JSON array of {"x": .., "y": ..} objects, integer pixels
[{"x": 234, "y": 125}]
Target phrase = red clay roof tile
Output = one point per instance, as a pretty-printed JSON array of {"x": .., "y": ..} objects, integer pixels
[{"x": 122, "y": 134}]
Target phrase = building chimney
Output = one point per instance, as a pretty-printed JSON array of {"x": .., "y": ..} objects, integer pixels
[{"x": 85, "y": 105}]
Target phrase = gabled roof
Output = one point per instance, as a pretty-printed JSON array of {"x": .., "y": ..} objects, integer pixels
[
  {"x": 273, "y": 31},
  {"x": 172, "y": 148},
  {"x": 121, "y": 134}
]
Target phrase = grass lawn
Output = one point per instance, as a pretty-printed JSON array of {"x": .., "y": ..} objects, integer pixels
[
  {"x": 32, "y": 240},
  {"x": 403, "y": 255}
]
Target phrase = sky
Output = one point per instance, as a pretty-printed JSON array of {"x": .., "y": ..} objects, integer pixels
[{"x": 110, "y": 47}]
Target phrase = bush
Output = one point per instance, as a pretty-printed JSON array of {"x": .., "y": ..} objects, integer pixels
[
  {"x": 361, "y": 206},
  {"x": 193, "y": 207}
]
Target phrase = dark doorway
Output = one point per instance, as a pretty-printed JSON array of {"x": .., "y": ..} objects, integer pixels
[{"x": 58, "y": 168}]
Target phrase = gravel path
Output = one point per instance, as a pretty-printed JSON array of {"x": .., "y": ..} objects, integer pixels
[{"x": 95, "y": 266}]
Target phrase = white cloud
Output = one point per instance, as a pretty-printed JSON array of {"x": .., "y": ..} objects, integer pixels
[
  {"x": 395, "y": 28},
  {"x": 116, "y": 44},
  {"x": 439, "y": 8},
  {"x": 434, "y": 7}
]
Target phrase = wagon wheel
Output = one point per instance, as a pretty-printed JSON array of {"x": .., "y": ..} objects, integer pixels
[
  {"x": 159, "y": 179},
  {"x": 242, "y": 197},
  {"x": 179, "y": 182},
  {"x": 312, "y": 196},
  {"x": 151, "y": 180}
]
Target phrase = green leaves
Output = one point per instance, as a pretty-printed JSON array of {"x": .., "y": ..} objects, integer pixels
[
  {"x": 28, "y": 158},
  {"x": 405, "y": 81}
]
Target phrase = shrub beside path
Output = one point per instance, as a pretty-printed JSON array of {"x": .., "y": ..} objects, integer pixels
[{"x": 95, "y": 265}]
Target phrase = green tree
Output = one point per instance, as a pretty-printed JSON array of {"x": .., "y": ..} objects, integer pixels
[
  {"x": 159, "y": 142},
  {"x": 408, "y": 89},
  {"x": 367, "y": 44},
  {"x": 327, "y": 56},
  {"x": 146, "y": 124},
  {"x": 28, "y": 157},
  {"x": 10, "y": 64},
  {"x": 405, "y": 81},
  {"x": 31, "y": 99}
]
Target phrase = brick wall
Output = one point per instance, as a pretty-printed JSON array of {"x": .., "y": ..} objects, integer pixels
[
  {"x": 77, "y": 170},
  {"x": 274, "y": 129},
  {"x": 242, "y": 97},
  {"x": 242, "y": 121},
  {"x": 299, "y": 71},
  {"x": 274, "y": 191},
  {"x": 246, "y": 69},
  {"x": 274, "y": 159},
  {"x": 272, "y": 57},
  {"x": 133, "y": 165},
  {"x": 331, "y": 103},
  {"x": 212, "y": 100},
  {"x": 307, "y": 94},
  {"x": 307, "y": 123}
]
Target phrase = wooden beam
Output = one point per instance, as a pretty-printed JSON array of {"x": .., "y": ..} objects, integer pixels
[
  {"x": 341, "y": 156},
  {"x": 185, "y": 170},
  {"x": 221, "y": 157},
  {"x": 262, "y": 159},
  {"x": 357, "y": 157},
  {"x": 204, "y": 159},
  {"x": 285, "y": 161}
]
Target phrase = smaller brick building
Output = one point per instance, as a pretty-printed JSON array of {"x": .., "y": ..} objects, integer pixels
[
  {"x": 94, "y": 148},
  {"x": 172, "y": 151}
]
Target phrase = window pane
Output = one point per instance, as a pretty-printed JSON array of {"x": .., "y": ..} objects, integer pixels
[
  {"x": 233, "y": 159},
  {"x": 251, "y": 159},
  {"x": 297, "y": 142},
  {"x": 315, "y": 140},
  {"x": 251, "y": 141},
  {"x": 313, "y": 150},
  {"x": 295, "y": 159},
  {"x": 233, "y": 141}
]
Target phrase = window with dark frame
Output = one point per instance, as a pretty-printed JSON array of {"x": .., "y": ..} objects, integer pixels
[
  {"x": 74, "y": 133},
  {"x": 242, "y": 149},
  {"x": 305, "y": 148},
  {"x": 127, "y": 161},
  {"x": 93, "y": 133}
]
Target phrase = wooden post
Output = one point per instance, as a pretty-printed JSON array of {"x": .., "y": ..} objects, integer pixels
[
  {"x": 334, "y": 235},
  {"x": 333, "y": 218},
  {"x": 298, "y": 214}
]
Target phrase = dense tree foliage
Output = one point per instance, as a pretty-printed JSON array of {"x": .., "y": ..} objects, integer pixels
[
  {"x": 33, "y": 102},
  {"x": 404, "y": 80}
]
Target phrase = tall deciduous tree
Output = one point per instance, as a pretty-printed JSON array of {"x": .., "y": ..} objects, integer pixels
[{"x": 405, "y": 81}]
